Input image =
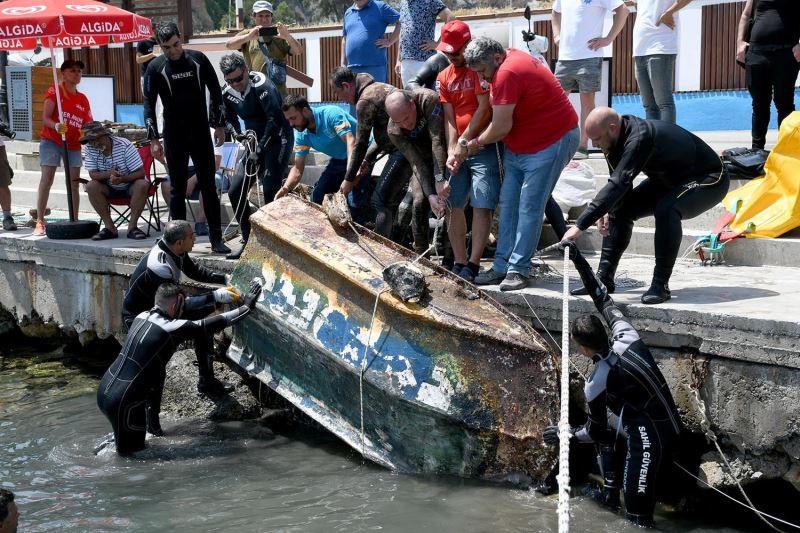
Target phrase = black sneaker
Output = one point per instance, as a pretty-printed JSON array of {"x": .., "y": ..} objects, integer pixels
[
  {"x": 8, "y": 224},
  {"x": 235, "y": 255},
  {"x": 513, "y": 282},
  {"x": 656, "y": 294},
  {"x": 218, "y": 247},
  {"x": 214, "y": 387}
]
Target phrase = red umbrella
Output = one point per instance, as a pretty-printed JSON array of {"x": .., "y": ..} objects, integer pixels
[{"x": 67, "y": 24}]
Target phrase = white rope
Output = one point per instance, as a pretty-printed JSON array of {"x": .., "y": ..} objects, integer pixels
[
  {"x": 706, "y": 425},
  {"x": 547, "y": 331},
  {"x": 563, "y": 423},
  {"x": 731, "y": 498},
  {"x": 364, "y": 367}
]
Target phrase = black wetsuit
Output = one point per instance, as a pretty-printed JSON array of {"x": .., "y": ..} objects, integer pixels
[
  {"x": 627, "y": 382},
  {"x": 685, "y": 178},
  {"x": 182, "y": 85},
  {"x": 138, "y": 372},
  {"x": 426, "y": 77},
  {"x": 260, "y": 109},
  {"x": 161, "y": 265}
]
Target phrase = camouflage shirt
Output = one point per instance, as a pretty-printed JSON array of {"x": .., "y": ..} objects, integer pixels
[
  {"x": 371, "y": 117},
  {"x": 425, "y": 146}
]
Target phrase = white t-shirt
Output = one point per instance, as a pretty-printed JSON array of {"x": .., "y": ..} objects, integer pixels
[
  {"x": 649, "y": 39},
  {"x": 581, "y": 20}
]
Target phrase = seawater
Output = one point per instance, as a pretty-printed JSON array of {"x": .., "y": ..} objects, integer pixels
[{"x": 235, "y": 476}]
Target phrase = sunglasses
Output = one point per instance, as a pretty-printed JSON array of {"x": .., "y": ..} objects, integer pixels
[{"x": 235, "y": 80}]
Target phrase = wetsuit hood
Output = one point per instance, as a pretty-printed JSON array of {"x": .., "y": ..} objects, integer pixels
[{"x": 363, "y": 80}]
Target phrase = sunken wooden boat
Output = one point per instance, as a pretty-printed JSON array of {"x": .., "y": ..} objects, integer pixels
[{"x": 453, "y": 384}]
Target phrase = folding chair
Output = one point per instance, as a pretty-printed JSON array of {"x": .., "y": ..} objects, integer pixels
[{"x": 122, "y": 206}]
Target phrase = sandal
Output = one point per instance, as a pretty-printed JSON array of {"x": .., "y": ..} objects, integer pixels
[
  {"x": 136, "y": 234},
  {"x": 105, "y": 234}
]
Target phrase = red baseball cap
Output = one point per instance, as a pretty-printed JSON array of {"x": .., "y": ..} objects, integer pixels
[{"x": 455, "y": 34}]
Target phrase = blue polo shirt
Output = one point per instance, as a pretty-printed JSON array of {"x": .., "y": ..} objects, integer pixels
[
  {"x": 362, "y": 27},
  {"x": 332, "y": 124}
]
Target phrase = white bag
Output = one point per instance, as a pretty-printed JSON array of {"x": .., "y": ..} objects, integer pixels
[{"x": 575, "y": 186}]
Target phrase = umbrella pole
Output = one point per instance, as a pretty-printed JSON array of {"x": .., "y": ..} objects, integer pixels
[{"x": 72, "y": 215}]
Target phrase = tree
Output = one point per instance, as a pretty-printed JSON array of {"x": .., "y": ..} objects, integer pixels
[{"x": 285, "y": 14}]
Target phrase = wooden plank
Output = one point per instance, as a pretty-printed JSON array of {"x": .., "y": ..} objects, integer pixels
[{"x": 718, "y": 68}]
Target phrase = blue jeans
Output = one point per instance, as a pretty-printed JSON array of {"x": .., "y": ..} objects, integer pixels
[
  {"x": 654, "y": 75},
  {"x": 330, "y": 179},
  {"x": 529, "y": 181}
]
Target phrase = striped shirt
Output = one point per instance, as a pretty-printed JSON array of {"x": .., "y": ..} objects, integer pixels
[{"x": 124, "y": 156}]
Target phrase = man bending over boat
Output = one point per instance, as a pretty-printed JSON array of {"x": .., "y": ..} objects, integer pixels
[
  {"x": 627, "y": 382},
  {"x": 164, "y": 263},
  {"x": 369, "y": 98},
  {"x": 140, "y": 368},
  {"x": 328, "y": 129},
  {"x": 416, "y": 127}
]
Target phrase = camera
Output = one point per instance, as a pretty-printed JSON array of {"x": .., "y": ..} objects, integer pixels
[
  {"x": 6, "y": 131},
  {"x": 272, "y": 31},
  {"x": 537, "y": 44}
]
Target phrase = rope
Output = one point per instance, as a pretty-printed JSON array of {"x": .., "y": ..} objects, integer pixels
[
  {"x": 249, "y": 143},
  {"x": 706, "y": 425},
  {"x": 365, "y": 366},
  {"x": 556, "y": 344},
  {"x": 563, "y": 424},
  {"x": 731, "y": 498},
  {"x": 363, "y": 245}
]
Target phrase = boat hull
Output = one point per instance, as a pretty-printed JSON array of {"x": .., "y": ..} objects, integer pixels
[{"x": 447, "y": 386}]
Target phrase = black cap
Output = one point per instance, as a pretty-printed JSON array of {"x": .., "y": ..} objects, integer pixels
[{"x": 69, "y": 63}]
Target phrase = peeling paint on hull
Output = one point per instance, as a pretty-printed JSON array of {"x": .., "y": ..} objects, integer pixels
[{"x": 449, "y": 386}]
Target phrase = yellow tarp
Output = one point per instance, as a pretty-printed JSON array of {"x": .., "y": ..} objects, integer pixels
[{"x": 772, "y": 203}]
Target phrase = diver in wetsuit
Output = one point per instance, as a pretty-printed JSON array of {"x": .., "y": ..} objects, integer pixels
[
  {"x": 254, "y": 98},
  {"x": 140, "y": 368},
  {"x": 165, "y": 262},
  {"x": 627, "y": 382},
  {"x": 180, "y": 78},
  {"x": 685, "y": 177}
]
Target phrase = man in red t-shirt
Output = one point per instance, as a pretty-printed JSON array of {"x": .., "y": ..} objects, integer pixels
[
  {"x": 537, "y": 123},
  {"x": 465, "y": 98},
  {"x": 76, "y": 113}
]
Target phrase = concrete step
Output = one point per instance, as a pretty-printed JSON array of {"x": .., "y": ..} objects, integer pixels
[{"x": 782, "y": 252}]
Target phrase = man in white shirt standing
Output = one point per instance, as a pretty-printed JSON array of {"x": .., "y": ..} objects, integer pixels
[
  {"x": 578, "y": 33},
  {"x": 655, "y": 47}
]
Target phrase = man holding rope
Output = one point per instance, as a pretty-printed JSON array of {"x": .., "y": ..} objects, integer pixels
[
  {"x": 627, "y": 383},
  {"x": 251, "y": 96}
]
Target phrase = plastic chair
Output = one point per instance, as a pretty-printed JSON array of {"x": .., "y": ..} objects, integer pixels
[{"x": 122, "y": 206}]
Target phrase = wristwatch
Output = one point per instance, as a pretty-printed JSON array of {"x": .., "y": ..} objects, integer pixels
[
  {"x": 462, "y": 142},
  {"x": 439, "y": 178}
]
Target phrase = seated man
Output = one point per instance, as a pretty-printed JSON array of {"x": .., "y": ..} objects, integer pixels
[
  {"x": 116, "y": 171},
  {"x": 685, "y": 178},
  {"x": 627, "y": 382},
  {"x": 165, "y": 262},
  {"x": 141, "y": 366},
  {"x": 327, "y": 129}
]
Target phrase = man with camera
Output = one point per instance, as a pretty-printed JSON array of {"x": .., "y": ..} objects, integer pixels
[
  {"x": 5, "y": 180},
  {"x": 266, "y": 47}
]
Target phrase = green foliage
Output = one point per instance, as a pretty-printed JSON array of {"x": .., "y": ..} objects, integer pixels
[{"x": 285, "y": 14}]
